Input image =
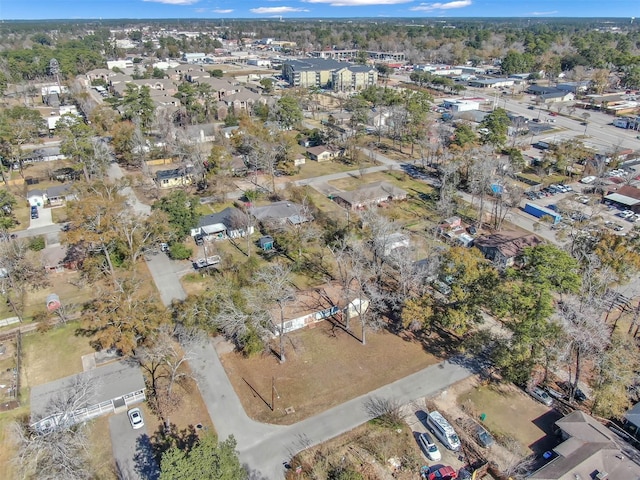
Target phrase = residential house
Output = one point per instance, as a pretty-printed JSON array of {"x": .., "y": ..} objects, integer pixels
[
  {"x": 116, "y": 387},
  {"x": 56, "y": 195},
  {"x": 313, "y": 306},
  {"x": 57, "y": 258},
  {"x": 44, "y": 154},
  {"x": 221, "y": 86},
  {"x": 281, "y": 213},
  {"x": 243, "y": 100},
  {"x": 175, "y": 177},
  {"x": 504, "y": 248},
  {"x": 368, "y": 195},
  {"x": 323, "y": 153},
  {"x": 201, "y": 133},
  {"x": 164, "y": 85},
  {"x": 589, "y": 451},
  {"x": 229, "y": 223},
  {"x": 100, "y": 74}
]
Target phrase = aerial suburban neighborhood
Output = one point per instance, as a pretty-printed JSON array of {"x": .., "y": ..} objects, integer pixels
[{"x": 298, "y": 248}]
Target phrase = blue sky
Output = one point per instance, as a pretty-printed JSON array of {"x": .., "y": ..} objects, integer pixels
[{"x": 60, "y": 9}]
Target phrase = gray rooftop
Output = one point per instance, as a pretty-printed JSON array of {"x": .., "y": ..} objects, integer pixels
[
  {"x": 111, "y": 381},
  {"x": 276, "y": 210},
  {"x": 591, "y": 449},
  {"x": 313, "y": 64}
]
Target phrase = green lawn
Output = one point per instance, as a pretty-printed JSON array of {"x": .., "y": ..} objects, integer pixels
[{"x": 52, "y": 355}]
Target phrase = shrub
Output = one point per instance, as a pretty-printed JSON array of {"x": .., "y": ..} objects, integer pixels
[
  {"x": 36, "y": 243},
  {"x": 178, "y": 251}
]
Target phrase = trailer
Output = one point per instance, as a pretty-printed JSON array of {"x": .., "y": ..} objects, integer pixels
[{"x": 539, "y": 211}]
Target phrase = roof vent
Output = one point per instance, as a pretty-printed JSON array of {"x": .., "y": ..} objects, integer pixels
[{"x": 602, "y": 476}]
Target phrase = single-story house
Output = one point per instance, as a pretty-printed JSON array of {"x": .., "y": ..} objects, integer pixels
[
  {"x": 281, "y": 213},
  {"x": 503, "y": 248},
  {"x": 229, "y": 223},
  {"x": 322, "y": 153},
  {"x": 370, "y": 194},
  {"x": 589, "y": 451},
  {"x": 316, "y": 305},
  {"x": 175, "y": 177},
  {"x": 57, "y": 258},
  {"x": 116, "y": 386},
  {"x": 56, "y": 195},
  {"x": 45, "y": 154}
]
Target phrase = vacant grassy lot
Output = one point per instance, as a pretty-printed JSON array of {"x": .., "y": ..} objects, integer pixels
[
  {"x": 64, "y": 284},
  {"x": 52, "y": 355},
  {"x": 511, "y": 413},
  {"x": 315, "y": 169},
  {"x": 324, "y": 368}
]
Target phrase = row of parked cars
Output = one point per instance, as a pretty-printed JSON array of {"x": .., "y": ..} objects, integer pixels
[
  {"x": 549, "y": 191},
  {"x": 629, "y": 215}
]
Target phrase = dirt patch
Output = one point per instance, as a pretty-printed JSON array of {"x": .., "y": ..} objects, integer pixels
[
  {"x": 325, "y": 367},
  {"x": 374, "y": 452}
]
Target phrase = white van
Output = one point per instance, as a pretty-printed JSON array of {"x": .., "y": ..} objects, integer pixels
[{"x": 443, "y": 430}]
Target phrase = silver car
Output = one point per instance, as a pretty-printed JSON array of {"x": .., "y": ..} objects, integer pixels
[
  {"x": 540, "y": 395},
  {"x": 429, "y": 448}
]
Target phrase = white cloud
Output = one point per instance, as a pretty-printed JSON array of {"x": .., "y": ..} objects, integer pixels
[
  {"x": 174, "y": 2},
  {"x": 276, "y": 10},
  {"x": 222, "y": 10},
  {"x": 536, "y": 14},
  {"x": 428, "y": 7},
  {"x": 357, "y": 3}
]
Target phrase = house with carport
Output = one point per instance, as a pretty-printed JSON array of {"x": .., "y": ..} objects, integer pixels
[{"x": 111, "y": 388}]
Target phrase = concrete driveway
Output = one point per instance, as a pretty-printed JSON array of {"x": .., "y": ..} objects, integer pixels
[
  {"x": 44, "y": 219},
  {"x": 132, "y": 450}
]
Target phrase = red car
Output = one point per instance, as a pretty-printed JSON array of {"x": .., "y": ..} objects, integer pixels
[
  {"x": 443, "y": 473},
  {"x": 553, "y": 114}
]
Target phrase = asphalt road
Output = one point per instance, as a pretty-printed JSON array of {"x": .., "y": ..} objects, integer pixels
[
  {"x": 166, "y": 277},
  {"x": 131, "y": 450},
  {"x": 264, "y": 449}
]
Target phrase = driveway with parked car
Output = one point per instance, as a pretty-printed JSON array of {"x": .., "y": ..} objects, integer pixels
[
  {"x": 132, "y": 447},
  {"x": 40, "y": 218}
]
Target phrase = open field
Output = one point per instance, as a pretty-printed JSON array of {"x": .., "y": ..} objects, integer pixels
[
  {"x": 324, "y": 368},
  {"x": 52, "y": 355},
  {"x": 513, "y": 416},
  {"x": 64, "y": 284}
]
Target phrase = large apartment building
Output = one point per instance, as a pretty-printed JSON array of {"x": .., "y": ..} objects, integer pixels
[{"x": 327, "y": 73}]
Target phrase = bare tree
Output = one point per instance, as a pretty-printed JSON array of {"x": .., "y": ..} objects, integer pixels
[
  {"x": 274, "y": 287},
  {"x": 20, "y": 271},
  {"x": 587, "y": 336},
  {"x": 57, "y": 446},
  {"x": 165, "y": 361}
]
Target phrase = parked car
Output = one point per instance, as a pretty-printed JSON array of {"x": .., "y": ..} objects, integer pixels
[
  {"x": 483, "y": 437},
  {"x": 443, "y": 473},
  {"x": 531, "y": 107},
  {"x": 540, "y": 395},
  {"x": 429, "y": 448},
  {"x": 135, "y": 418},
  {"x": 34, "y": 212}
]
